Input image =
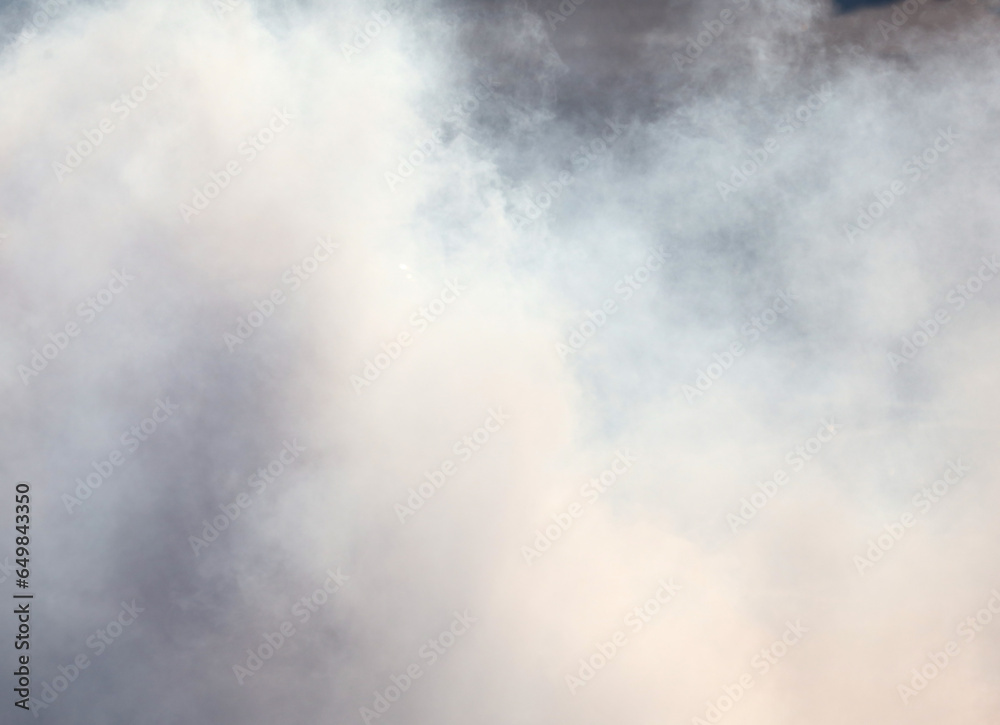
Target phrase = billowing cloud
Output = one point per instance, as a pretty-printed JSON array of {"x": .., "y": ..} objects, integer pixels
[{"x": 519, "y": 362}]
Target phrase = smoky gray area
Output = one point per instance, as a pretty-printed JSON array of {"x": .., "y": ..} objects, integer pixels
[{"x": 382, "y": 362}]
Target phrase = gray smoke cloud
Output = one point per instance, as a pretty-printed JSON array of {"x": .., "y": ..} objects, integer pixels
[{"x": 504, "y": 362}]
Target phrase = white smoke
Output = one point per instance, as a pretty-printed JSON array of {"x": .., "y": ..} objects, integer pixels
[{"x": 510, "y": 366}]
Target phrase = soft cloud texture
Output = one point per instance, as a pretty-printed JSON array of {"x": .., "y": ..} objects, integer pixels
[{"x": 512, "y": 218}]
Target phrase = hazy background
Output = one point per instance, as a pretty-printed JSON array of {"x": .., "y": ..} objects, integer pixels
[{"x": 880, "y": 97}]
